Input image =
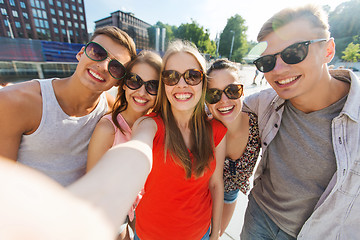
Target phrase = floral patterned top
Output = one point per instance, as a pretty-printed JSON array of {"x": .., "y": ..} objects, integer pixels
[{"x": 237, "y": 172}]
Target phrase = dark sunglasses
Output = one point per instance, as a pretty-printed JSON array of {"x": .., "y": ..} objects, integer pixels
[
  {"x": 134, "y": 81},
  {"x": 192, "y": 77},
  {"x": 232, "y": 91},
  {"x": 96, "y": 52},
  {"x": 293, "y": 54}
]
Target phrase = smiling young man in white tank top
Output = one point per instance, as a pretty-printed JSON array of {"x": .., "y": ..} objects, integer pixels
[{"x": 47, "y": 124}]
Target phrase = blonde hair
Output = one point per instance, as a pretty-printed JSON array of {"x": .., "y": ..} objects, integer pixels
[
  {"x": 117, "y": 35},
  {"x": 200, "y": 128},
  {"x": 312, "y": 13},
  {"x": 148, "y": 57}
]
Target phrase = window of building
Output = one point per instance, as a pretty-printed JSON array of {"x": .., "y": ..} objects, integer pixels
[
  {"x": 66, "y": 5},
  {"x": 52, "y": 11},
  {"x": 42, "y": 23},
  {"x": 37, "y": 24},
  {"x": 1, "y": 1},
  {"x": 6, "y": 23},
  {"x": 37, "y": 3},
  {"x": 71, "y": 32},
  {"x": 15, "y": 13},
  {"x": 76, "y": 25},
  {"x": 22, "y": 4},
  {"x": 3, "y": 11},
  {"x": 61, "y": 13},
  {"x": 34, "y": 12},
  {"x": 46, "y": 24},
  {"x": 59, "y": 3},
  {"x": 69, "y": 23},
  {"x": 81, "y": 17},
  {"x": 32, "y": 3},
  {"x": 42, "y": 4},
  {"x": 80, "y": 9},
  {"x": 39, "y": 13},
  {"x": 25, "y": 15},
  {"x": 27, "y": 26},
  {"x": 63, "y": 31},
  {"x": 51, "y": 2},
  {"x": 75, "y": 16},
  {"x": 17, "y": 24},
  {"x": 62, "y": 22},
  {"x": 54, "y": 21},
  {"x": 44, "y": 14},
  {"x": 67, "y": 14},
  {"x": 74, "y": 7},
  {"x": 83, "y": 26},
  {"x": 79, "y": 1},
  {"x": 56, "y": 30},
  {"x": 12, "y": 3}
]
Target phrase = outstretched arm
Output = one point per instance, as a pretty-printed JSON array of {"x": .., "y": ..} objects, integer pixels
[{"x": 107, "y": 187}]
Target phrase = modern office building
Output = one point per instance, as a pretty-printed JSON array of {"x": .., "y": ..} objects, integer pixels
[
  {"x": 53, "y": 20},
  {"x": 135, "y": 27}
]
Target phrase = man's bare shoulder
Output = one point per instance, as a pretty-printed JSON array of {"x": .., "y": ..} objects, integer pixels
[
  {"x": 21, "y": 105},
  {"x": 20, "y": 94}
]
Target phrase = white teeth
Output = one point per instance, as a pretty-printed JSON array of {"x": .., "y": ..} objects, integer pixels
[
  {"x": 183, "y": 96},
  {"x": 139, "y": 100},
  {"x": 96, "y": 75},
  {"x": 289, "y": 80},
  {"x": 225, "y": 109}
]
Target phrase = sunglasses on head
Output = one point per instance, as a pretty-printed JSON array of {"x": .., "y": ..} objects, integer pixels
[
  {"x": 293, "y": 54},
  {"x": 96, "y": 52},
  {"x": 192, "y": 77},
  {"x": 232, "y": 91},
  {"x": 134, "y": 81}
]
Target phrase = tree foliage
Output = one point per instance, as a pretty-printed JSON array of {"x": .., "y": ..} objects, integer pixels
[
  {"x": 235, "y": 27},
  {"x": 195, "y": 33},
  {"x": 345, "y": 23},
  {"x": 351, "y": 53}
]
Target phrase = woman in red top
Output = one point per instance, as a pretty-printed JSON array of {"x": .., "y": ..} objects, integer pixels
[{"x": 184, "y": 190}]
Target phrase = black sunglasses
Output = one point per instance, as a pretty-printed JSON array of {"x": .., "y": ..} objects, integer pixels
[
  {"x": 191, "y": 76},
  {"x": 134, "y": 81},
  {"x": 96, "y": 52},
  {"x": 232, "y": 91},
  {"x": 293, "y": 54}
]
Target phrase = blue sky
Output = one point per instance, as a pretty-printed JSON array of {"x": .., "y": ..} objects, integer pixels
[{"x": 211, "y": 14}]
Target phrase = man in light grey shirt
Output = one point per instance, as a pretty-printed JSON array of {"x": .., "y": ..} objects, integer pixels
[{"x": 308, "y": 181}]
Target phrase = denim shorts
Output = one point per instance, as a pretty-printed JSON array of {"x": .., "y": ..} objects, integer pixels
[
  {"x": 230, "y": 197},
  {"x": 258, "y": 225},
  {"x": 205, "y": 237}
]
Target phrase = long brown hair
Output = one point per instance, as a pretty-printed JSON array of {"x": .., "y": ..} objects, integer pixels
[
  {"x": 200, "y": 128},
  {"x": 148, "y": 57}
]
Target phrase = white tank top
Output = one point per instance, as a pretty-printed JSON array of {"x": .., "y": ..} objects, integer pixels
[{"x": 59, "y": 146}]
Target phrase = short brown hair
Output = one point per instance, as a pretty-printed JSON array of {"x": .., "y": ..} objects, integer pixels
[
  {"x": 117, "y": 35},
  {"x": 312, "y": 13}
]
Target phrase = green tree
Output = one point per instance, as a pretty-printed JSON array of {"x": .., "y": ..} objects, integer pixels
[
  {"x": 195, "y": 33},
  {"x": 345, "y": 23},
  {"x": 235, "y": 27},
  {"x": 351, "y": 53},
  {"x": 169, "y": 33}
]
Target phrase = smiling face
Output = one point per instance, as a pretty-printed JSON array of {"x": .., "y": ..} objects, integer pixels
[
  {"x": 226, "y": 110},
  {"x": 94, "y": 74},
  {"x": 301, "y": 81},
  {"x": 139, "y": 100},
  {"x": 183, "y": 97}
]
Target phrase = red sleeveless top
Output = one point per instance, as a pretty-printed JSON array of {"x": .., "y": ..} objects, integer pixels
[{"x": 174, "y": 207}]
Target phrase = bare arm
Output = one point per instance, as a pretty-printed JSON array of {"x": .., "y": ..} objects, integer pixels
[
  {"x": 101, "y": 141},
  {"x": 105, "y": 184},
  {"x": 217, "y": 190},
  {"x": 20, "y": 113},
  {"x": 33, "y": 206}
]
